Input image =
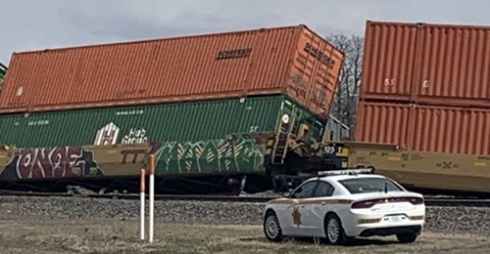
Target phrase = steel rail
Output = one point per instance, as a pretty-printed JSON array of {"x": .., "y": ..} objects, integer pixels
[{"x": 429, "y": 201}]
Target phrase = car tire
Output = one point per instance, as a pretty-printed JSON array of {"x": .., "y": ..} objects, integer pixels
[
  {"x": 334, "y": 231},
  {"x": 406, "y": 238},
  {"x": 272, "y": 228}
]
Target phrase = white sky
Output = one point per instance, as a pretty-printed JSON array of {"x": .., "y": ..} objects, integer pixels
[{"x": 40, "y": 24}]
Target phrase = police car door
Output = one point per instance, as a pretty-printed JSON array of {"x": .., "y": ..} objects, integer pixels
[
  {"x": 297, "y": 214},
  {"x": 321, "y": 204}
]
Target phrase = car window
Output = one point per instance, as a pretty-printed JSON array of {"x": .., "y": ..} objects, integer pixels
[
  {"x": 366, "y": 185},
  {"x": 305, "y": 191},
  {"x": 324, "y": 190}
]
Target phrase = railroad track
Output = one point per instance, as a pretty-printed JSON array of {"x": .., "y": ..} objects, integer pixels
[{"x": 429, "y": 201}]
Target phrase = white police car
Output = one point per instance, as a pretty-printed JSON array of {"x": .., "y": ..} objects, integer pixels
[{"x": 346, "y": 204}]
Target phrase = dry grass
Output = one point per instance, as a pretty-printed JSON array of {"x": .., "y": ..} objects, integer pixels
[{"x": 112, "y": 236}]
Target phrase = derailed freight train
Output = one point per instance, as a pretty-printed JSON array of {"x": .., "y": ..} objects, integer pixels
[
  {"x": 424, "y": 109},
  {"x": 191, "y": 158},
  {"x": 254, "y": 118},
  {"x": 94, "y": 113}
]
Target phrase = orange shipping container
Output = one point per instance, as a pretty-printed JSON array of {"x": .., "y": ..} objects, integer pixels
[
  {"x": 425, "y": 128},
  {"x": 292, "y": 60},
  {"x": 427, "y": 63}
]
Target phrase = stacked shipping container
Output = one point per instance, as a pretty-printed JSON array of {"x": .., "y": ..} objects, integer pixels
[
  {"x": 189, "y": 88},
  {"x": 426, "y": 87},
  {"x": 190, "y": 121},
  {"x": 425, "y": 128},
  {"x": 290, "y": 60}
]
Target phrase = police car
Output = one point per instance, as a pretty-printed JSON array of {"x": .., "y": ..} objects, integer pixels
[{"x": 345, "y": 204}]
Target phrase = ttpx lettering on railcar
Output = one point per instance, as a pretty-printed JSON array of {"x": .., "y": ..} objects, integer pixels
[{"x": 135, "y": 153}]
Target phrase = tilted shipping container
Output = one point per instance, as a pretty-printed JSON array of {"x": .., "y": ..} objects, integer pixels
[
  {"x": 425, "y": 128},
  {"x": 427, "y": 63},
  {"x": 286, "y": 60},
  {"x": 191, "y": 121}
]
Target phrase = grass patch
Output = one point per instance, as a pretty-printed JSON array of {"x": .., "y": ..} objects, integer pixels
[{"x": 115, "y": 236}]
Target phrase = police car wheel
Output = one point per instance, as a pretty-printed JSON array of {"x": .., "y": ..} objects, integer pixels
[
  {"x": 406, "y": 238},
  {"x": 272, "y": 229},
  {"x": 334, "y": 231}
]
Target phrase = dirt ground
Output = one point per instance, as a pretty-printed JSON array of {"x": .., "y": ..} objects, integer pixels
[{"x": 50, "y": 235}]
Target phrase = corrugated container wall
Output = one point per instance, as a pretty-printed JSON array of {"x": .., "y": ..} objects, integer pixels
[
  {"x": 288, "y": 60},
  {"x": 427, "y": 64},
  {"x": 192, "y": 121},
  {"x": 382, "y": 123},
  {"x": 425, "y": 128}
]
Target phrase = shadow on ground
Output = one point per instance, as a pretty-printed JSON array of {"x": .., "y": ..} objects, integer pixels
[{"x": 309, "y": 241}]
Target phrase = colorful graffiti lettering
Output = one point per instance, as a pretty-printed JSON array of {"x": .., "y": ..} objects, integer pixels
[
  {"x": 57, "y": 162},
  {"x": 237, "y": 155}
]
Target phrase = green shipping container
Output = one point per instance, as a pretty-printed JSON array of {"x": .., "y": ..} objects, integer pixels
[
  {"x": 191, "y": 121},
  {"x": 3, "y": 71}
]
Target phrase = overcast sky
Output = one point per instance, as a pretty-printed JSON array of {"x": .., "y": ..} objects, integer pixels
[{"x": 40, "y": 24}]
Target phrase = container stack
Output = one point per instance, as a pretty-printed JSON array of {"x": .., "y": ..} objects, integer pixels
[
  {"x": 426, "y": 87},
  {"x": 179, "y": 89}
]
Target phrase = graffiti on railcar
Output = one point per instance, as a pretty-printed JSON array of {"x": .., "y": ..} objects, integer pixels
[
  {"x": 210, "y": 156},
  {"x": 56, "y": 162}
]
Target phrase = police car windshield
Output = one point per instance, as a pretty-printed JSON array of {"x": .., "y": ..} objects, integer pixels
[{"x": 366, "y": 185}]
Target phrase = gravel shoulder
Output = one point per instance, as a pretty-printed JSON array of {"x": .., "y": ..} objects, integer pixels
[
  {"x": 46, "y": 235},
  {"x": 79, "y": 225}
]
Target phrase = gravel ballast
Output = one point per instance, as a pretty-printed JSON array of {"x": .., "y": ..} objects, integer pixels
[{"x": 445, "y": 219}]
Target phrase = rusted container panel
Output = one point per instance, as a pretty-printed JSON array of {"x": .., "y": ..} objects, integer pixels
[
  {"x": 425, "y": 128},
  {"x": 292, "y": 60},
  {"x": 427, "y": 63}
]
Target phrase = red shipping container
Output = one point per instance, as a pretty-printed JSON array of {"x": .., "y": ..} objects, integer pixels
[
  {"x": 292, "y": 60},
  {"x": 384, "y": 123},
  {"x": 427, "y": 63},
  {"x": 425, "y": 128}
]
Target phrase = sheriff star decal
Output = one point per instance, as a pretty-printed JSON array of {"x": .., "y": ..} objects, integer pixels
[{"x": 296, "y": 216}]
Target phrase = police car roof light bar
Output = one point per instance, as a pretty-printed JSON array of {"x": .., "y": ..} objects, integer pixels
[{"x": 347, "y": 172}]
